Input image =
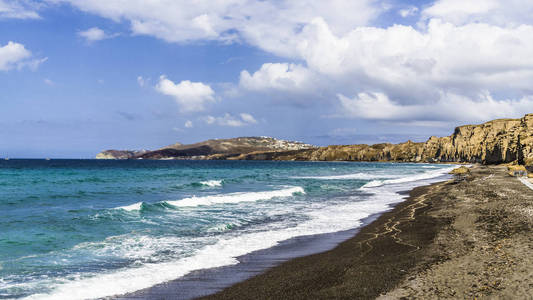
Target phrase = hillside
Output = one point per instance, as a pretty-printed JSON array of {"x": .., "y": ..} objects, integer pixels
[
  {"x": 209, "y": 148},
  {"x": 493, "y": 142}
]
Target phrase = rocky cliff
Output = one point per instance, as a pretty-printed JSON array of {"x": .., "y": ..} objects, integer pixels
[
  {"x": 494, "y": 142},
  {"x": 497, "y": 141}
]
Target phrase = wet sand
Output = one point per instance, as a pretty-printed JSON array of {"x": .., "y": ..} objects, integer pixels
[{"x": 455, "y": 239}]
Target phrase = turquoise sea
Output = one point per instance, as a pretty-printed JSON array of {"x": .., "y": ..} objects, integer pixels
[{"x": 78, "y": 229}]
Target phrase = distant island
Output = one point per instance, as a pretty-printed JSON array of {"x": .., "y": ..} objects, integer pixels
[{"x": 493, "y": 142}]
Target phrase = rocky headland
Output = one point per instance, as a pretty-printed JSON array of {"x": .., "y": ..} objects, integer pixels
[
  {"x": 210, "y": 149},
  {"x": 493, "y": 142}
]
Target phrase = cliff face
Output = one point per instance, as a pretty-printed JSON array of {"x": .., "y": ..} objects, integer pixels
[{"x": 498, "y": 141}]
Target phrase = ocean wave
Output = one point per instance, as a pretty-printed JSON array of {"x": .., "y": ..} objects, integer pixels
[
  {"x": 361, "y": 176},
  {"x": 410, "y": 178},
  {"x": 237, "y": 197},
  {"x": 218, "y": 199},
  {"x": 223, "y": 252},
  {"x": 154, "y": 266},
  {"x": 212, "y": 183},
  {"x": 131, "y": 207}
]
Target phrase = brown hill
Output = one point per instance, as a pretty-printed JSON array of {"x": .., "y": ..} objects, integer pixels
[{"x": 202, "y": 150}]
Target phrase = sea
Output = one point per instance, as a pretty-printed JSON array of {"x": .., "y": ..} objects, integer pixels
[{"x": 85, "y": 229}]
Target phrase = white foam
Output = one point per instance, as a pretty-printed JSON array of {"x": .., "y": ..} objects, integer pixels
[
  {"x": 323, "y": 218},
  {"x": 236, "y": 197},
  {"x": 212, "y": 183},
  {"x": 224, "y": 198},
  {"x": 362, "y": 176},
  {"x": 131, "y": 207},
  {"x": 417, "y": 177},
  {"x": 133, "y": 247},
  {"x": 224, "y": 252}
]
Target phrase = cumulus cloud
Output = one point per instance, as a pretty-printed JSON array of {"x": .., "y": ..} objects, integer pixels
[
  {"x": 496, "y": 12},
  {"x": 188, "y": 124},
  {"x": 232, "y": 121},
  {"x": 16, "y": 56},
  {"x": 191, "y": 96},
  {"x": 449, "y": 107},
  {"x": 94, "y": 34},
  {"x": 456, "y": 52},
  {"x": 257, "y": 22},
  {"x": 10, "y": 9},
  {"x": 409, "y": 64},
  {"x": 279, "y": 76}
]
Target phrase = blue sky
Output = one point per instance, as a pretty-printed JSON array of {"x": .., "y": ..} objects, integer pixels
[{"x": 78, "y": 77}]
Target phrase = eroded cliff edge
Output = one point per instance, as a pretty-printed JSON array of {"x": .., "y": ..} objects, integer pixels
[{"x": 493, "y": 142}]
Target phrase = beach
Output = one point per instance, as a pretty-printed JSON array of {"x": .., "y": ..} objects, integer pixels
[
  {"x": 404, "y": 231},
  {"x": 181, "y": 229},
  {"x": 454, "y": 239}
]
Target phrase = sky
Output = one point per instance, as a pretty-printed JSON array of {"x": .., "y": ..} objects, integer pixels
[{"x": 81, "y": 76}]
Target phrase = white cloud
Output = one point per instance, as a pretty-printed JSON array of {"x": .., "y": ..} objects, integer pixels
[
  {"x": 210, "y": 120},
  {"x": 16, "y": 56},
  {"x": 409, "y": 64},
  {"x": 140, "y": 81},
  {"x": 496, "y": 12},
  {"x": 10, "y": 9},
  {"x": 191, "y": 96},
  {"x": 408, "y": 12},
  {"x": 279, "y": 76},
  {"x": 49, "y": 82},
  {"x": 94, "y": 34},
  {"x": 248, "y": 118},
  {"x": 458, "y": 50},
  {"x": 230, "y": 120},
  {"x": 188, "y": 124},
  {"x": 449, "y": 107},
  {"x": 261, "y": 23}
]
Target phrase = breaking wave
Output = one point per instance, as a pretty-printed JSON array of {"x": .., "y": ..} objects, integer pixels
[{"x": 221, "y": 199}]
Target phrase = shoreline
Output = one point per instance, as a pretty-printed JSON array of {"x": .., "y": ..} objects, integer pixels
[
  {"x": 207, "y": 282},
  {"x": 453, "y": 239},
  {"x": 303, "y": 277}
]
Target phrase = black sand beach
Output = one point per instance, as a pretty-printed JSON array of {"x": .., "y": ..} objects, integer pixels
[
  {"x": 209, "y": 281},
  {"x": 454, "y": 239},
  {"x": 372, "y": 262},
  {"x": 467, "y": 239}
]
